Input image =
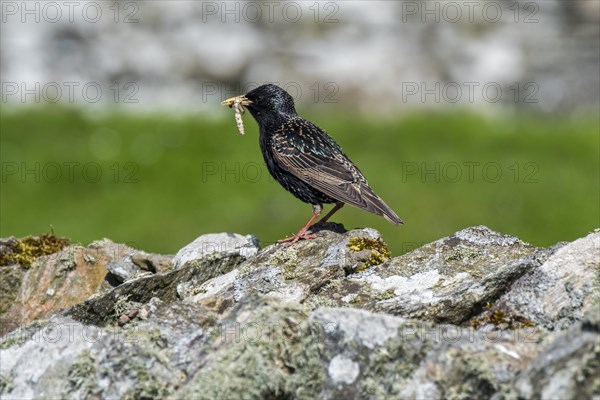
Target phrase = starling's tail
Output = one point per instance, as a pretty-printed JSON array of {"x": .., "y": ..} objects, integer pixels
[{"x": 377, "y": 206}]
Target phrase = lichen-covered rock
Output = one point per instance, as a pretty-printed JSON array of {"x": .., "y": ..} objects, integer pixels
[
  {"x": 333, "y": 317},
  {"x": 108, "y": 307},
  {"x": 85, "y": 361},
  {"x": 25, "y": 250},
  {"x": 295, "y": 273},
  {"x": 376, "y": 356},
  {"x": 57, "y": 281},
  {"x": 448, "y": 280},
  {"x": 138, "y": 263},
  {"x": 265, "y": 348},
  {"x": 221, "y": 244},
  {"x": 568, "y": 367},
  {"x": 560, "y": 291},
  {"x": 10, "y": 288}
]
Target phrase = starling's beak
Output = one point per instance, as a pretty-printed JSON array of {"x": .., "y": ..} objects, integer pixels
[{"x": 242, "y": 99}]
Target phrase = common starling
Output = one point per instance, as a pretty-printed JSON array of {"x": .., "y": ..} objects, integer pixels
[{"x": 305, "y": 160}]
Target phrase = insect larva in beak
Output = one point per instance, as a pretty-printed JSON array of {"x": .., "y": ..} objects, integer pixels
[{"x": 239, "y": 110}]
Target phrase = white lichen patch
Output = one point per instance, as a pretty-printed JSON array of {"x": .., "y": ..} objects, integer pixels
[
  {"x": 483, "y": 236},
  {"x": 420, "y": 286},
  {"x": 343, "y": 370},
  {"x": 351, "y": 324},
  {"x": 213, "y": 286},
  {"x": 217, "y": 244},
  {"x": 349, "y": 298}
]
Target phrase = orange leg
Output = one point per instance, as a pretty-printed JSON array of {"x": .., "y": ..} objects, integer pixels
[{"x": 302, "y": 235}]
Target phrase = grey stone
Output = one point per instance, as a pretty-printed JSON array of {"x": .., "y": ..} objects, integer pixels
[
  {"x": 223, "y": 244},
  {"x": 292, "y": 273},
  {"x": 123, "y": 269},
  {"x": 171, "y": 56},
  {"x": 137, "y": 264},
  {"x": 330, "y": 318},
  {"x": 558, "y": 292},
  {"x": 449, "y": 280},
  {"x": 568, "y": 367},
  {"x": 57, "y": 281}
]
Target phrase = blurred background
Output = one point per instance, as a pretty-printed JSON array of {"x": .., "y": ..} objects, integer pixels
[{"x": 459, "y": 113}]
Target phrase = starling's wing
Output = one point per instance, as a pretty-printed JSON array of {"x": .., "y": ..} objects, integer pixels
[{"x": 316, "y": 159}]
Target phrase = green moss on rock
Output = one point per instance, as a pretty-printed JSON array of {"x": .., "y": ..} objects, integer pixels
[
  {"x": 500, "y": 317},
  {"x": 25, "y": 250},
  {"x": 321, "y": 301},
  {"x": 388, "y": 294},
  {"x": 385, "y": 377},
  {"x": 5, "y": 384},
  {"x": 81, "y": 374},
  {"x": 470, "y": 377},
  {"x": 462, "y": 252},
  {"x": 265, "y": 361},
  {"x": 378, "y": 247}
]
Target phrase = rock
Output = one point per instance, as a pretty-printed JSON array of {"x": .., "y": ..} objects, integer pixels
[
  {"x": 61, "y": 341},
  {"x": 448, "y": 280},
  {"x": 399, "y": 358},
  {"x": 223, "y": 244},
  {"x": 155, "y": 263},
  {"x": 265, "y": 349},
  {"x": 165, "y": 287},
  {"x": 560, "y": 291},
  {"x": 334, "y": 317},
  {"x": 123, "y": 269},
  {"x": 10, "y": 289},
  {"x": 137, "y": 264},
  {"x": 25, "y": 250},
  {"x": 57, "y": 281},
  {"x": 568, "y": 367},
  {"x": 294, "y": 273}
]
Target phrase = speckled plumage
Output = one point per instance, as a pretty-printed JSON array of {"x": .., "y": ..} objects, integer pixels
[{"x": 305, "y": 160}]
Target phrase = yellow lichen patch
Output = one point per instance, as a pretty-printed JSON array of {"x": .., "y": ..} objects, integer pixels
[
  {"x": 379, "y": 250},
  {"x": 388, "y": 294},
  {"x": 499, "y": 316},
  {"x": 462, "y": 253},
  {"x": 121, "y": 305},
  {"x": 25, "y": 250}
]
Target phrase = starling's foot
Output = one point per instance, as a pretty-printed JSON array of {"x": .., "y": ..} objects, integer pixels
[
  {"x": 299, "y": 236},
  {"x": 302, "y": 235}
]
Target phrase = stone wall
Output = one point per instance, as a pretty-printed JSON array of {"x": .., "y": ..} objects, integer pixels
[
  {"x": 385, "y": 56},
  {"x": 477, "y": 314}
]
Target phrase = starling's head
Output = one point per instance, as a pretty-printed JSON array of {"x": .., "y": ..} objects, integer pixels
[
  {"x": 265, "y": 103},
  {"x": 271, "y": 98}
]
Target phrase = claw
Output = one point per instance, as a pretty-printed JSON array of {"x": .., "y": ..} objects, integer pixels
[{"x": 296, "y": 238}]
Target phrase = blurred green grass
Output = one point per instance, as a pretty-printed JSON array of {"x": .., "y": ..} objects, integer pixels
[{"x": 166, "y": 180}]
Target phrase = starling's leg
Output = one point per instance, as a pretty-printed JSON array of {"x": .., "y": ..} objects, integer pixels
[
  {"x": 317, "y": 208},
  {"x": 330, "y": 213}
]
